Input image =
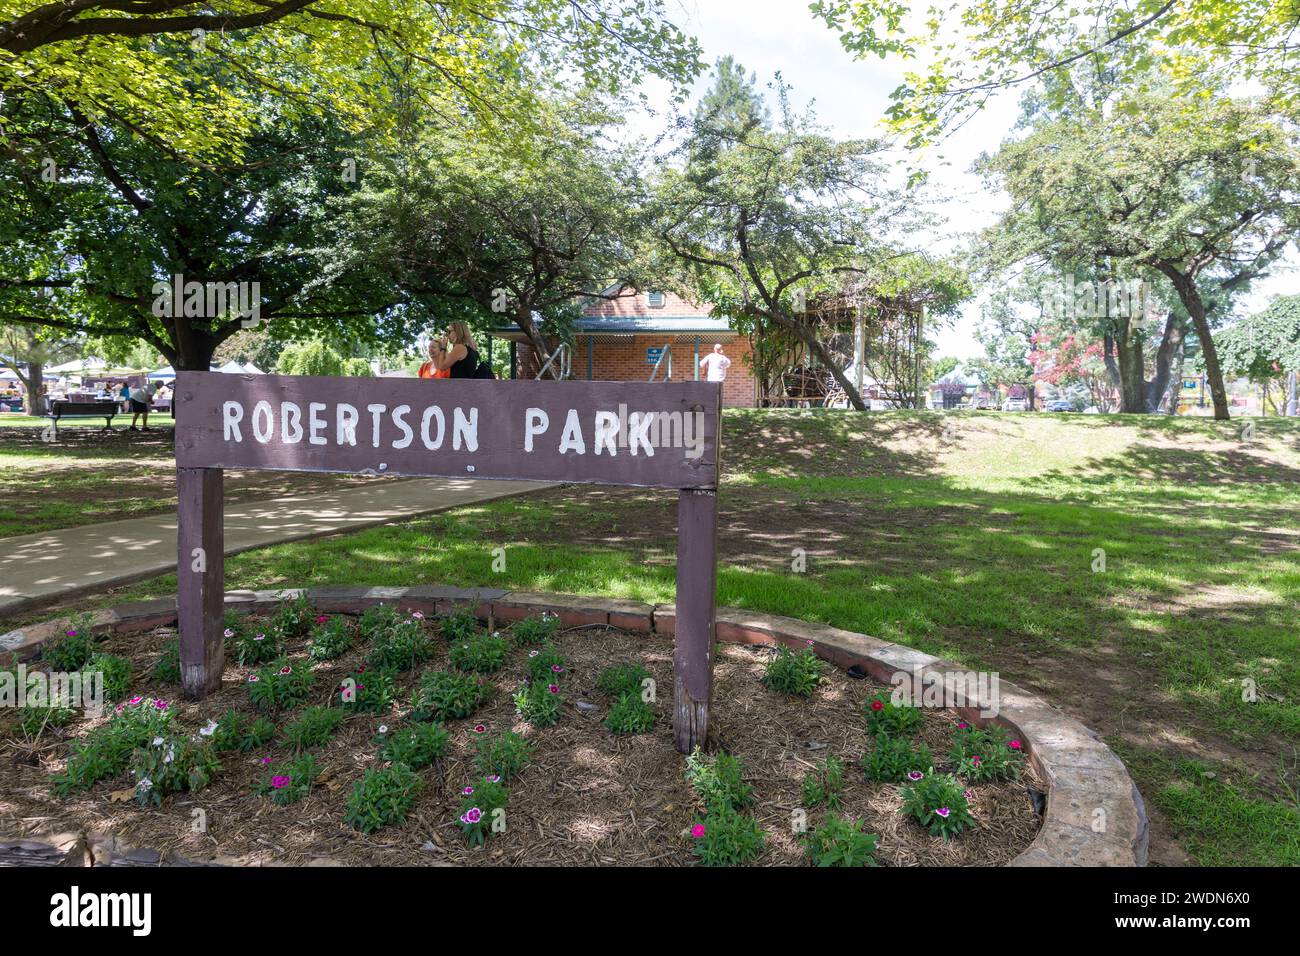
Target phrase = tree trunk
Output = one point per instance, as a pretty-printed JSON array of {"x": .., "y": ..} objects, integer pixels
[
  {"x": 1190, "y": 296},
  {"x": 1170, "y": 351},
  {"x": 34, "y": 399},
  {"x": 524, "y": 319},
  {"x": 810, "y": 340},
  {"x": 1132, "y": 379},
  {"x": 1292, "y": 399}
]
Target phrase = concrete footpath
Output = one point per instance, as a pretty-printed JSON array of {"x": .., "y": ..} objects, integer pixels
[{"x": 37, "y": 569}]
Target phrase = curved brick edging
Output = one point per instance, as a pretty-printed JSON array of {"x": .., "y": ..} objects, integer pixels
[{"x": 1094, "y": 816}]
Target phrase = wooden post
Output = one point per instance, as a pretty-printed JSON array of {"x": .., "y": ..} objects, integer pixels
[
  {"x": 697, "y": 546},
  {"x": 200, "y": 579}
]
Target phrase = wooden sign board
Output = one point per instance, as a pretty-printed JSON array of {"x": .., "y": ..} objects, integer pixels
[{"x": 615, "y": 433}]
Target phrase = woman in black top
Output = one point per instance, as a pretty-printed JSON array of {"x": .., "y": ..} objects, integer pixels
[{"x": 461, "y": 356}]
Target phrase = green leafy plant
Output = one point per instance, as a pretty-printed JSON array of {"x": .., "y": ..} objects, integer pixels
[
  {"x": 479, "y": 655},
  {"x": 533, "y": 631},
  {"x": 252, "y": 645},
  {"x": 939, "y": 803},
  {"x": 169, "y": 765},
  {"x": 415, "y": 745},
  {"x": 314, "y": 726},
  {"x": 281, "y": 686},
  {"x": 840, "y": 841},
  {"x": 401, "y": 646},
  {"x": 482, "y": 808},
  {"x": 330, "y": 640},
  {"x": 794, "y": 674},
  {"x": 236, "y": 731},
  {"x": 824, "y": 784},
  {"x": 539, "y": 703},
  {"x": 545, "y": 664},
  {"x": 115, "y": 672},
  {"x": 167, "y": 669},
  {"x": 892, "y": 758},
  {"x": 377, "y": 621},
  {"x": 988, "y": 754},
  {"x": 886, "y": 717},
  {"x": 622, "y": 679},
  {"x": 36, "y": 720},
  {"x": 448, "y": 695},
  {"x": 726, "y": 837},
  {"x": 71, "y": 650},
  {"x": 505, "y": 755},
  {"x": 459, "y": 626},
  {"x": 718, "y": 780},
  {"x": 630, "y": 715},
  {"x": 368, "y": 690},
  {"x": 106, "y": 750},
  {"x": 293, "y": 618},
  {"x": 382, "y": 798},
  {"x": 287, "y": 783}
]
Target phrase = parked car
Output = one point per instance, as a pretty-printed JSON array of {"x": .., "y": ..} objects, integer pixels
[
  {"x": 1060, "y": 405},
  {"x": 1015, "y": 405}
]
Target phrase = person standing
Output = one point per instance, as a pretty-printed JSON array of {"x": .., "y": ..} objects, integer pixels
[
  {"x": 430, "y": 369},
  {"x": 715, "y": 365},
  {"x": 141, "y": 396},
  {"x": 461, "y": 356}
]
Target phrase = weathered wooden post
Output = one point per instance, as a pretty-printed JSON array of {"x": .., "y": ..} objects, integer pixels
[
  {"x": 200, "y": 578},
  {"x": 697, "y": 565}
]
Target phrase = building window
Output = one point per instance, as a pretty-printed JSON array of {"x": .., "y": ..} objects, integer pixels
[{"x": 655, "y": 300}]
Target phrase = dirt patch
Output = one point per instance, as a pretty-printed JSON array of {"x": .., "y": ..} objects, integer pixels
[{"x": 587, "y": 797}]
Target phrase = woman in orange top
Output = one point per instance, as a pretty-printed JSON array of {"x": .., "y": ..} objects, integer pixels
[{"x": 430, "y": 369}]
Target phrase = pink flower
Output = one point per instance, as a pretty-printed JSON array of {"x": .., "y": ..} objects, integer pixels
[
  {"x": 227, "y": 633},
  {"x": 472, "y": 815},
  {"x": 70, "y": 633},
  {"x": 480, "y": 729},
  {"x": 943, "y": 812},
  {"x": 266, "y": 760},
  {"x": 278, "y": 782},
  {"x": 975, "y": 760},
  {"x": 915, "y": 775},
  {"x": 697, "y": 831},
  {"x": 418, "y": 615},
  {"x": 286, "y": 669},
  {"x": 553, "y": 688},
  {"x": 532, "y": 653},
  {"x": 322, "y": 619},
  {"x": 557, "y": 669},
  {"x": 467, "y": 791},
  {"x": 877, "y": 705},
  {"x": 493, "y": 778},
  {"x": 968, "y": 794},
  {"x": 1014, "y": 745},
  {"x": 162, "y": 705},
  {"x": 962, "y": 725},
  {"x": 135, "y": 700},
  {"x": 260, "y": 637},
  {"x": 252, "y": 678}
]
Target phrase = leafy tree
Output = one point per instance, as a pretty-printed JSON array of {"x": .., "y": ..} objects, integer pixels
[
  {"x": 515, "y": 232},
  {"x": 96, "y": 249},
  {"x": 765, "y": 220},
  {"x": 1266, "y": 346},
  {"x": 974, "y": 48},
  {"x": 315, "y": 357},
  {"x": 360, "y": 61},
  {"x": 1200, "y": 194},
  {"x": 26, "y": 351}
]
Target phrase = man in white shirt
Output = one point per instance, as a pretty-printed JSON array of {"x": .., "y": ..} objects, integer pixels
[
  {"x": 715, "y": 365},
  {"x": 140, "y": 398}
]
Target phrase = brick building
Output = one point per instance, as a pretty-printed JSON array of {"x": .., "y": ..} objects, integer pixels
[{"x": 622, "y": 339}]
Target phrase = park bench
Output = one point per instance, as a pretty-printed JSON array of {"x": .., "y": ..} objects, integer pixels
[{"x": 64, "y": 409}]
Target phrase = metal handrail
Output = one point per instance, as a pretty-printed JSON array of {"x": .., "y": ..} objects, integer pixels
[
  {"x": 667, "y": 353},
  {"x": 564, "y": 354}
]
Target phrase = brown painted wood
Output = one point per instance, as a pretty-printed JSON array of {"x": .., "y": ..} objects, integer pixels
[
  {"x": 697, "y": 563},
  {"x": 203, "y": 438},
  {"x": 200, "y": 585}
]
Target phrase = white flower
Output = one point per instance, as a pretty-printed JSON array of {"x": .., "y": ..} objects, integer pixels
[
  {"x": 209, "y": 730},
  {"x": 145, "y": 784},
  {"x": 158, "y": 741},
  {"x": 170, "y": 755},
  {"x": 228, "y": 632},
  {"x": 383, "y": 728}
]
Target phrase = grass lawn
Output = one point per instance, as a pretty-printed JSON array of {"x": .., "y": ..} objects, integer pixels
[{"x": 980, "y": 537}]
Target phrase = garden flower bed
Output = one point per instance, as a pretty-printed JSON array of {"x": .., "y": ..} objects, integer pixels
[{"x": 398, "y": 735}]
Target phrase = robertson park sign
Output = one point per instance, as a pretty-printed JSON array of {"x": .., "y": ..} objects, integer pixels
[{"x": 662, "y": 435}]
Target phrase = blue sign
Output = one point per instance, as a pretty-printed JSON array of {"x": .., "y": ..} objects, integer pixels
[{"x": 653, "y": 354}]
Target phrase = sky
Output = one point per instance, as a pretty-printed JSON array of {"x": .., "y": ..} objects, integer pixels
[{"x": 850, "y": 97}]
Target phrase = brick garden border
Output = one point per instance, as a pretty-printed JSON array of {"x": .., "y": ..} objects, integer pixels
[{"x": 1086, "y": 782}]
